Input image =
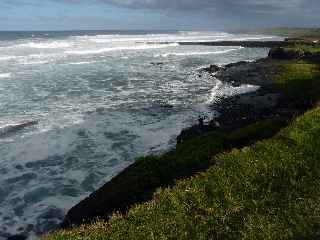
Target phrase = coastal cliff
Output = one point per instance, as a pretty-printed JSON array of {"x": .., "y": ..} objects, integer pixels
[{"x": 244, "y": 184}]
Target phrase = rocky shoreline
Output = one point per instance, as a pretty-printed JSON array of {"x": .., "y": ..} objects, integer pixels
[{"x": 267, "y": 103}]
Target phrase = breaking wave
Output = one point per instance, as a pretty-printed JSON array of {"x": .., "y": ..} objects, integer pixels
[
  {"x": 198, "y": 53},
  {"x": 104, "y": 50},
  {"x": 5, "y": 75}
]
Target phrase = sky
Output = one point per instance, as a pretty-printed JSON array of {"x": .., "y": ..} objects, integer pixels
[{"x": 157, "y": 14}]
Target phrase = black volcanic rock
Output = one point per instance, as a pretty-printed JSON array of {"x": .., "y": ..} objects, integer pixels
[
  {"x": 17, "y": 237},
  {"x": 212, "y": 68},
  {"x": 236, "y": 64},
  {"x": 284, "y": 54}
]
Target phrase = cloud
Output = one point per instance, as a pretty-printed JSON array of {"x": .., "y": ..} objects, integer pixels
[
  {"x": 263, "y": 12},
  {"x": 241, "y": 5},
  {"x": 176, "y": 13}
]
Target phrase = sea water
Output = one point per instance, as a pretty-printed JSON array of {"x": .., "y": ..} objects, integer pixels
[{"x": 98, "y": 100}]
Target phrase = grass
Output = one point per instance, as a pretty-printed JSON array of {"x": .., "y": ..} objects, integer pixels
[
  {"x": 304, "y": 49},
  {"x": 254, "y": 132},
  {"x": 266, "y": 191},
  {"x": 269, "y": 190},
  {"x": 138, "y": 182},
  {"x": 306, "y": 33},
  {"x": 300, "y": 81}
]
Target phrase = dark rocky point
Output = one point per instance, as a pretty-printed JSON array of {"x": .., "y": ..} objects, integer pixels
[
  {"x": 17, "y": 237},
  {"x": 281, "y": 53},
  {"x": 212, "y": 68}
]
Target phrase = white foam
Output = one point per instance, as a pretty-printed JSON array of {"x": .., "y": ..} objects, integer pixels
[
  {"x": 183, "y": 36},
  {"x": 198, "y": 53},
  {"x": 203, "y": 32},
  {"x": 110, "y": 49},
  {"x": 45, "y": 45},
  {"x": 81, "y": 63},
  {"x": 225, "y": 90},
  {"x": 252, "y": 38},
  {"x": 5, "y": 58},
  {"x": 5, "y": 75},
  {"x": 35, "y": 63}
]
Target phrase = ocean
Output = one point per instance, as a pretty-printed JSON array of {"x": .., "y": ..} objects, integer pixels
[{"x": 78, "y": 107}]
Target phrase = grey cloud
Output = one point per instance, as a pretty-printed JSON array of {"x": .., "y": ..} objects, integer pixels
[
  {"x": 206, "y": 13},
  {"x": 249, "y": 5},
  {"x": 263, "y": 12}
]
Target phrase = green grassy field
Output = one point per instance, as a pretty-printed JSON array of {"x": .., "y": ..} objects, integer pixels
[
  {"x": 307, "y": 33},
  {"x": 300, "y": 81}
]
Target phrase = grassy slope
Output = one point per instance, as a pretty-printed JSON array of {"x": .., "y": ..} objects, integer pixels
[
  {"x": 293, "y": 32},
  {"x": 138, "y": 182},
  {"x": 300, "y": 81},
  {"x": 266, "y": 191}
]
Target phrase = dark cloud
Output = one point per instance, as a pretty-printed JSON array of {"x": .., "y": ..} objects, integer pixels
[
  {"x": 189, "y": 13},
  {"x": 243, "y": 5},
  {"x": 259, "y": 12}
]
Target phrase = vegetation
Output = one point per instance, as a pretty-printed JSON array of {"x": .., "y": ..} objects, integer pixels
[
  {"x": 293, "y": 32},
  {"x": 300, "y": 81},
  {"x": 306, "y": 49},
  {"x": 195, "y": 154},
  {"x": 303, "y": 50},
  {"x": 254, "y": 132},
  {"x": 266, "y": 191}
]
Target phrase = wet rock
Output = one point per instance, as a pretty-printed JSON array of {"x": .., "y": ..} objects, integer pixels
[
  {"x": 12, "y": 128},
  {"x": 17, "y": 237},
  {"x": 283, "y": 54},
  {"x": 157, "y": 63},
  {"x": 214, "y": 124},
  {"x": 29, "y": 228},
  {"x": 196, "y": 130},
  {"x": 236, "y": 64},
  {"x": 212, "y": 68},
  {"x": 255, "y": 73}
]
